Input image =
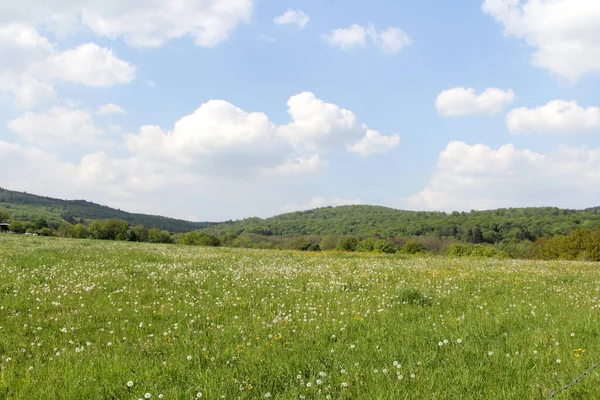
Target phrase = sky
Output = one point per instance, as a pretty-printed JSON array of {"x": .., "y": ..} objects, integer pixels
[{"x": 225, "y": 109}]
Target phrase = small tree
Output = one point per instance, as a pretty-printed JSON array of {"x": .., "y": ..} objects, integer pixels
[
  {"x": 17, "y": 227},
  {"x": 4, "y": 217},
  {"x": 413, "y": 247},
  {"x": 348, "y": 244},
  {"x": 79, "y": 231}
]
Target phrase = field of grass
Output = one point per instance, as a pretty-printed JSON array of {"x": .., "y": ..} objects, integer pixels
[{"x": 113, "y": 320}]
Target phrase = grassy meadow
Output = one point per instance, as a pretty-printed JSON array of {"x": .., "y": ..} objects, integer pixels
[{"x": 86, "y": 319}]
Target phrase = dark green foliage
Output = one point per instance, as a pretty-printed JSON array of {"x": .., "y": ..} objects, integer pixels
[
  {"x": 375, "y": 245},
  {"x": 17, "y": 227},
  {"x": 155, "y": 235},
  {"x": 40, "y": 223},
  {"x": 413, "y": 247},
  {"x": 581, "y": 244},
  {"x": 490, "y": 227},
  {"x": 459, "y": 250},
  {"x": 348, "y": 243},
  {"x": 4, "y": 217},
  {"x": 138, "y": 233},
  {"x": 46, "y": 232},
  {"x": 200, "y": 239},
  {"x": 28, "y": 207}
]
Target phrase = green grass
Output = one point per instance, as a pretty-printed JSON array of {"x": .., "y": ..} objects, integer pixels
[{"x": 80, "y": 319}]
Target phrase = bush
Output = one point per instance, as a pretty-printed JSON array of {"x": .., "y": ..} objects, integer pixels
[
  {"x": 383, "y": 246},
  {"x": 329, "y": 242},
  {"x": 413, "y": 247},
  {"x": 459, "y": 250},
  {"x": 200, "y": 239},
  {"x": 46, "y": 232},
  {"x": 17, "y": 227},
  {"x": 348, "y": 244},
  {"x": 483, "y": 251}
]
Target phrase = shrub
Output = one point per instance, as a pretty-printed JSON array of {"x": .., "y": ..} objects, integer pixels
[
  {"x": 459, "y": 250},
  {"x": 413, "y": 247},
  {"x": 348, "y": 244},
  {"x": 483, "y": 251},
  {"x": 200, "y": 239}
]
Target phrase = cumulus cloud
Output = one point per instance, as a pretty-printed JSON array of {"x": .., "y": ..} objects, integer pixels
[
  {"x": 373, "y": 143},
  {"x": 294, "y": 17},
  {"x": 555, "y": 117},
  {"x": 30, "y": 66},
  {"x": 317, "y": 125},
  {"x": 57, "y": 126},
  {"x": 390, "y": 40},
  {"x": 464, "y": 101},
  {"x": 218, "y": 140},
  {"x": 479, "y": 177},
  {"x": 564, "y": 34},
  {"x": 318, "y": 202},
  {"x": 140, "y": 23},
  {"x": 88, "y": 64}
]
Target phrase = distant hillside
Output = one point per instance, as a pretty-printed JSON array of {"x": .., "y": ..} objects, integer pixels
[
  {"x": 362, "y": 220},
  {"x": 27, "y": 207}
]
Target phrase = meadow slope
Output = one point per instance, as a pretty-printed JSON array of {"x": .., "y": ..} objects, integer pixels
[{"x": 113, "y": 320}]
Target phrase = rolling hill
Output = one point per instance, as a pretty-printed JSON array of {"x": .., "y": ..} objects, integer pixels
[
  {"x": 364, "y": 220},
  {"x": 27, "y": 207}
]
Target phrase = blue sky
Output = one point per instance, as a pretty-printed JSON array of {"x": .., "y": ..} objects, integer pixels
[{"x": 220, "y": 109}]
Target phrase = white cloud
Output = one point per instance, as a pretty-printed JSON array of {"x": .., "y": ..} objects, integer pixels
[
  {"x": 88, "y": 64},
  {"x": 57, "y": 126},
  {"x": 347, "y": 38},
  {"x": 319, "y": 202},
  {"x": 479, "y": 177},
  {"x": 565, "y": 34},
  {"x": 110, "y": 108},
  {"x": 218, "y": 137},
  {"x": 373, "y": 143},
  {"x": 464, "y": 101},
  {"x": 391, "y": 40},
  {"x": 297, "y": 166},
  {"x": 217, "y": 141},
  {"x": 317, "y": 125},
  {"x": 556, "y": 117},
  {"x": 140, "y": 23},
  {"x": 30, "y": 66},
  {"x": 297, "y": 17}
]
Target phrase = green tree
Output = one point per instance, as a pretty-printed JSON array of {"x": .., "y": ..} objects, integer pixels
[
  {"x": 200, "y": 239},
  {"x": 41, "y": 223},
  {"x": 328, "y": 242},
  {"x": 65, "y": 229},
  {"x": 155, "y": 235},
  {"x": 79, "y": 231},
  {"x": 17, "y": 227},
  {"x": 413, "y": 247},
  {"x": 4, "y": 217},
  {"x": 459, "y": 250},
  {"x": 348, "y": 243},
  {"x": 138, "y": 233}
]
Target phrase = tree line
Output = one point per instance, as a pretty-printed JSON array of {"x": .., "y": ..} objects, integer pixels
[{"x": 579, "y": 244}]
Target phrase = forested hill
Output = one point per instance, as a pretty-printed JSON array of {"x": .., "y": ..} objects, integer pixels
[
  {"x": 28, "y": 207},
  {"x": 362, "y": 220}
]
